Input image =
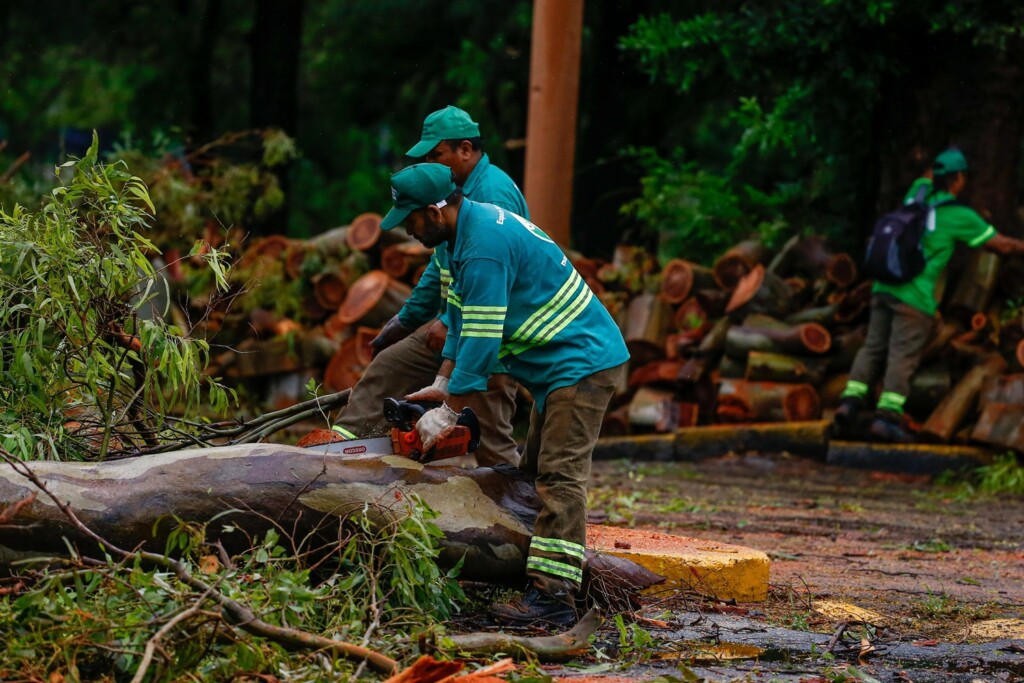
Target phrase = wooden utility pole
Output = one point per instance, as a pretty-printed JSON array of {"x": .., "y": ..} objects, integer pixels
[{"x": 551, "y": 124}]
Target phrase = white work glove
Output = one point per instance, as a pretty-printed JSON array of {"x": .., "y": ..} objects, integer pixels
[
  {"x": 437, "y": 392},
  {"x": 436, "y": 424}
]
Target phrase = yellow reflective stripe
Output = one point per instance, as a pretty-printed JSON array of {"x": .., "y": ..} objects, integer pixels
[
  {"x": 566, "y": 571},
  {"x": 983, "y": 237},
  {"x": 556, "y": 302},
  {"x": 567, "y": 316},
  {"x": 478, "y": 316},
  {"x": 480, "y": 333},
  {"x": 557, "y": 545},
  {"x": 486, "y": 309}
]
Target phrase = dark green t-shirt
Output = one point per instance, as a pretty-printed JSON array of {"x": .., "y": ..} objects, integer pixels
[{"x": 946, "y": 226}]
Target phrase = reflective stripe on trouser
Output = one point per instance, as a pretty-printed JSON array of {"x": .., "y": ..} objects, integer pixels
[
  {"x": 855, "y": 390},
  {"x": 407, "y": 366},
  {"x": 892, "y": 402},
  {"x": 558, "y": 450},
  {"x": 897, "y": 335}
]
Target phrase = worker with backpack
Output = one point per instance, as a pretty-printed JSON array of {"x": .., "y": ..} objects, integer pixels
[{"x": 908, "y": 251}]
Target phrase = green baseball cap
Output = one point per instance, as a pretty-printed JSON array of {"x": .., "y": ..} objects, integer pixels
[
  {"x": 450, "y": 123},
  {"x": 417, "y": 186},
  {"x": 950, "y": 161}
]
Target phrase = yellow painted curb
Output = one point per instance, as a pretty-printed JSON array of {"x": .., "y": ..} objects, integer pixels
[
  {"x": 997, "y": 629},
  {"x": 720, "y": 570}
]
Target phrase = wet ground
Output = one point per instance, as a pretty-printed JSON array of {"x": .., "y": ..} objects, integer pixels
[{"x": 873, "y": 576}]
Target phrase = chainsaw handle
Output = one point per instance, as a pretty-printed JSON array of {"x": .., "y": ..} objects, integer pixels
[{"x": 468, "y": 419}]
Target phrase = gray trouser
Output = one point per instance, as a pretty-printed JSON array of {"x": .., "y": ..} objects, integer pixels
[
  {"x": 558, "y": 450},
  {"x": 407, "y": 366},
  {"x": 897, "y": 334}
]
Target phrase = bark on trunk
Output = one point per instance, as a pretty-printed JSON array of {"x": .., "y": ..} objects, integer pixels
[
  {"x": 487, "y": 517},
  {"x": 954, "y": 409}
]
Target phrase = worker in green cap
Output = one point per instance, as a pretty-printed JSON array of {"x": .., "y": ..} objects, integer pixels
[
  {"x": 515, "y": 296},
  {"x": 903, "y": 315},
  {"x": 407, "y": 350}
]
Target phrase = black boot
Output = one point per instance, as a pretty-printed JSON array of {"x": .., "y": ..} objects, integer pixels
[
  {"x": 845, "y": 418},
  {"x": 537, "y": 607},
  {"x": 888, "y": 426}
]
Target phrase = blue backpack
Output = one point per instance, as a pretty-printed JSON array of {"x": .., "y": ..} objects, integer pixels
[{"x": 894, "y": 254}]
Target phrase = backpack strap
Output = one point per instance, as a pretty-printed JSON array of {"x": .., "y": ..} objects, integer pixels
[{"x": 922, "y": 194}]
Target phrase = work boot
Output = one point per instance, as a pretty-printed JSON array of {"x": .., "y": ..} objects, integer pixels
[
  {"x": 845, "y": 418},
  {"x": 537, "y": 607},
  {"x": 888, "y": 426}
]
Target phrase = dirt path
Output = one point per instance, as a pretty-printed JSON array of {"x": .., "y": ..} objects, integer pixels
[{"x": 900, "y": 546}]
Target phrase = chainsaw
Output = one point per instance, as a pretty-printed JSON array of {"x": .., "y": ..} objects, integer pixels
[{"x": 404, "y": 440}]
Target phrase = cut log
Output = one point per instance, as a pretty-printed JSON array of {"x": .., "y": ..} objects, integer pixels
[
  {"x": 329, "y": 290},
  {"x": 294, "y": 258},
  {"x": 731, "y": 368},
  {"x": 691, "y": 320},
  {"x": 1001, "y": 425},
  {"x": 766, "y": 366},
  {"x": 707, "y": 354},
  {"x": 743, "y": 401},
  {"x": 486, "y": 516},
  {"x": 648, "y": 318},
  {"x": 803, "y": 338},
  {"x": 731, "y": 266},
  {"x": 852, "y": 304},
  {"x": 269, "y": 248},
  {"x": 958, "y": 404},
  {"x": 364, "y": 231},
  {"x": 823, "y": 315},
  {"x": 679, "y": 278},
  {"x": 712, "y": 301},
  {"x": 655, "y": 409},
  {"x": 363, "y": 337},
  {"x": 373, "y": 299},
  {"x": 975, "y": 286},
  {"x": 760, "y": 292},
  {"x": 945, "y": 332},
  {"x": 345, "y": 367},
  {"x": 1003, "y": 389},
  {"x": 811, "y": 257},
  {"x": 259, "y": 358},
  {"x": 401, "y": 260},
  {"x": 930, "y": 385},
  {"x": 661, "y": 372}
]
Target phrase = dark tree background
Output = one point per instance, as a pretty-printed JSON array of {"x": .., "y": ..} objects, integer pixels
[{"x": 700, "y": 121}]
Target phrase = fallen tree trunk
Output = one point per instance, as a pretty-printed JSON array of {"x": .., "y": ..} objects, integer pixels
[
  {"x": 803, "y": 338},
  {"x": 486, "y": 516}
]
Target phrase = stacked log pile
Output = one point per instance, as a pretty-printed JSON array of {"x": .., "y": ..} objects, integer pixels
[
  {"x": 302, "y": 309},
  {"x": 759, "y": 336},
  {"x": 769, "y": 336}
]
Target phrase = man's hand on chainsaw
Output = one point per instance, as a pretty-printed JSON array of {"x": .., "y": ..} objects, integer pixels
[
  {"x": 437, "y": 392},
  {"x": 392, "y": 332},
  {"x": 435, "y": 425}
]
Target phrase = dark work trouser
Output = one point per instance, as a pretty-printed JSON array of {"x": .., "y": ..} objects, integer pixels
[
  {"x": 897, "y": 334},
  {"x": 408, "y": 366},
  {"x": 558, "y": 451}
]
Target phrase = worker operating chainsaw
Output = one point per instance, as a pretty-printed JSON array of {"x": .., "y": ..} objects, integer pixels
[
  {"x": 514, "y": 295},
  {"x": 407, "y": 350}
]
